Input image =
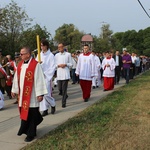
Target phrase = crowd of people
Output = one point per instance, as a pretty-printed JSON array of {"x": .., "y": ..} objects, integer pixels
[{"x": 31, "y": 81}]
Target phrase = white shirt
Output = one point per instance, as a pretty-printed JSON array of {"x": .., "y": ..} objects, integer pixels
[
  {"x": 133, "y": 59},
  {"x": 117, "y": 60},
  {"x": 74, "y": 63},
  {"x": 63, "y": 58}
]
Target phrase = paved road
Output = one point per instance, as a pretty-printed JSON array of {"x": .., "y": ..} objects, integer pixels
[{"x": 10, "y": 122}]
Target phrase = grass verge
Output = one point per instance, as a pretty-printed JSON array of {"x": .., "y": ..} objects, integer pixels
[{"x": 119, "y": 121}]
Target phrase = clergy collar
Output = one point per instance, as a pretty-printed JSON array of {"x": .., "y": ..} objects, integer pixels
[{"x": 26, "y": 61}]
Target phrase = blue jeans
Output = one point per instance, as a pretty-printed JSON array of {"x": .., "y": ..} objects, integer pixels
[
  {"x": 74, "y": 80},
  {"x": 126, "y": 72}
]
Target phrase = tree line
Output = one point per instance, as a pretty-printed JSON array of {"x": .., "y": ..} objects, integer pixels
[{"x": 16, "y": 31}]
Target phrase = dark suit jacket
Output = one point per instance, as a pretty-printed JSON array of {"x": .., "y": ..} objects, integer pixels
[{"x": 120, "y": 60}]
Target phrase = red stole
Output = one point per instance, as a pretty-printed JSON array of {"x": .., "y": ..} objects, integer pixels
[{"x": 27, "y": 88}]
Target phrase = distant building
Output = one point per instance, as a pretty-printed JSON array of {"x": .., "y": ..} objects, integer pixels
[{"x": 87, "y": 39}]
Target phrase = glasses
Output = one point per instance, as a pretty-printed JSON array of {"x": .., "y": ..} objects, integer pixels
[{"x": 23, "y": 54}]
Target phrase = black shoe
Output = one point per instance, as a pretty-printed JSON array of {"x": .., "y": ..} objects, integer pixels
[
  {"x": 16, "y": 102},
  {"x": 97, "y": 86},
  {"x": 45, "y": 113},
  {"x": 55, "y": 85},
  {"x": 73, "y": 83},
  {"x": 60, "y": 93},
  {"x": 86, "y": 100},
  {"x": 53, "y": 110},
  {"x": 63, "y": 105},
  {"x": 28, "y": 139},
  {"x": 93, "y": 87},
  {"x": 105, "y": 90}
]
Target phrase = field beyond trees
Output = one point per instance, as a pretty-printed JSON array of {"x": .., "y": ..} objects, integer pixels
[{"x": 120, "y": 121}]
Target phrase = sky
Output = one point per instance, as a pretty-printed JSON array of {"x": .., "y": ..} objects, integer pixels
[{"x": 87, "y": 15}]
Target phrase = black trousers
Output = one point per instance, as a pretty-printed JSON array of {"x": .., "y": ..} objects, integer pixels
[
  {"x": 117, "y": 74},
  {"x": 62, "y": 87},
  {"x": 29, "y": 126}
]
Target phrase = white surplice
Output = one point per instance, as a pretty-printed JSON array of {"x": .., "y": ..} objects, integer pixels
[
  {"x": 39, "y": 85},
  {"x": 48, "y": 67},
  {"x": 1, "y": 100},
  {"x": 108, "y": 71},
  {"x": 86, "y": 67}
]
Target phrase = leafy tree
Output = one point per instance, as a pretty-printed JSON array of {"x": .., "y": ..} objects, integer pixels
[
  {"x": 28, "y": 37},
  {"x": 105, "y": 38},
  {"x": 13, "y": 21},
  {"x": 69, "y": 35}
]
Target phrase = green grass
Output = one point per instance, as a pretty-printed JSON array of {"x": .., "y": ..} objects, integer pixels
[{"x": 107, "y": 124}]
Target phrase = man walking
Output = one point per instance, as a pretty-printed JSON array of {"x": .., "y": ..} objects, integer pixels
[
  {"x": 86, "y": 71},
  {"x": 63, "y": 63},
  {"x": 126, "y": 60},
  {"x": 48, "y": 67},
  {"x": 29, "y": 84},
  {"x": 118, "y": 59}
]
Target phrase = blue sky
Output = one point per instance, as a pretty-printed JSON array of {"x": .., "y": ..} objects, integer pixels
[{"x": 87, "y": 15}]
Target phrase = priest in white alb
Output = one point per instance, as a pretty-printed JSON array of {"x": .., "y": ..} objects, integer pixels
[{"x": 29, "y": 84}]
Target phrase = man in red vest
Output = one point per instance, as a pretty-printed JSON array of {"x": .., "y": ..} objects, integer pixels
[{"x": 29, "y": 84}]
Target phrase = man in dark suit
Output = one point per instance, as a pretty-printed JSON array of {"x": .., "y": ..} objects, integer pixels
[{"x": 118, "y": 59}]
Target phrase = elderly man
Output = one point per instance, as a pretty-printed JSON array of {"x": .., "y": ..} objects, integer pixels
[{"x": 29, "y": 84}]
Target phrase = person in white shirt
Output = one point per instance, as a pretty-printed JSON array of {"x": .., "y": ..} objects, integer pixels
[
  {"x": 96, "y": 81},
  {"x": 132, "y": 69},
  {"x": 48, "y": 67},
  {"x": 63, "y": 63},
  {"x": 73, "y": 69}
]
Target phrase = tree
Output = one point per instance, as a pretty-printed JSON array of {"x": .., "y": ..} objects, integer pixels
[
  {"x": 14, "y": 20},
  {"x": 69, "y": 35},
  {"x": 28, "y": 37},
  {"x": 105, "y": 38}
]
